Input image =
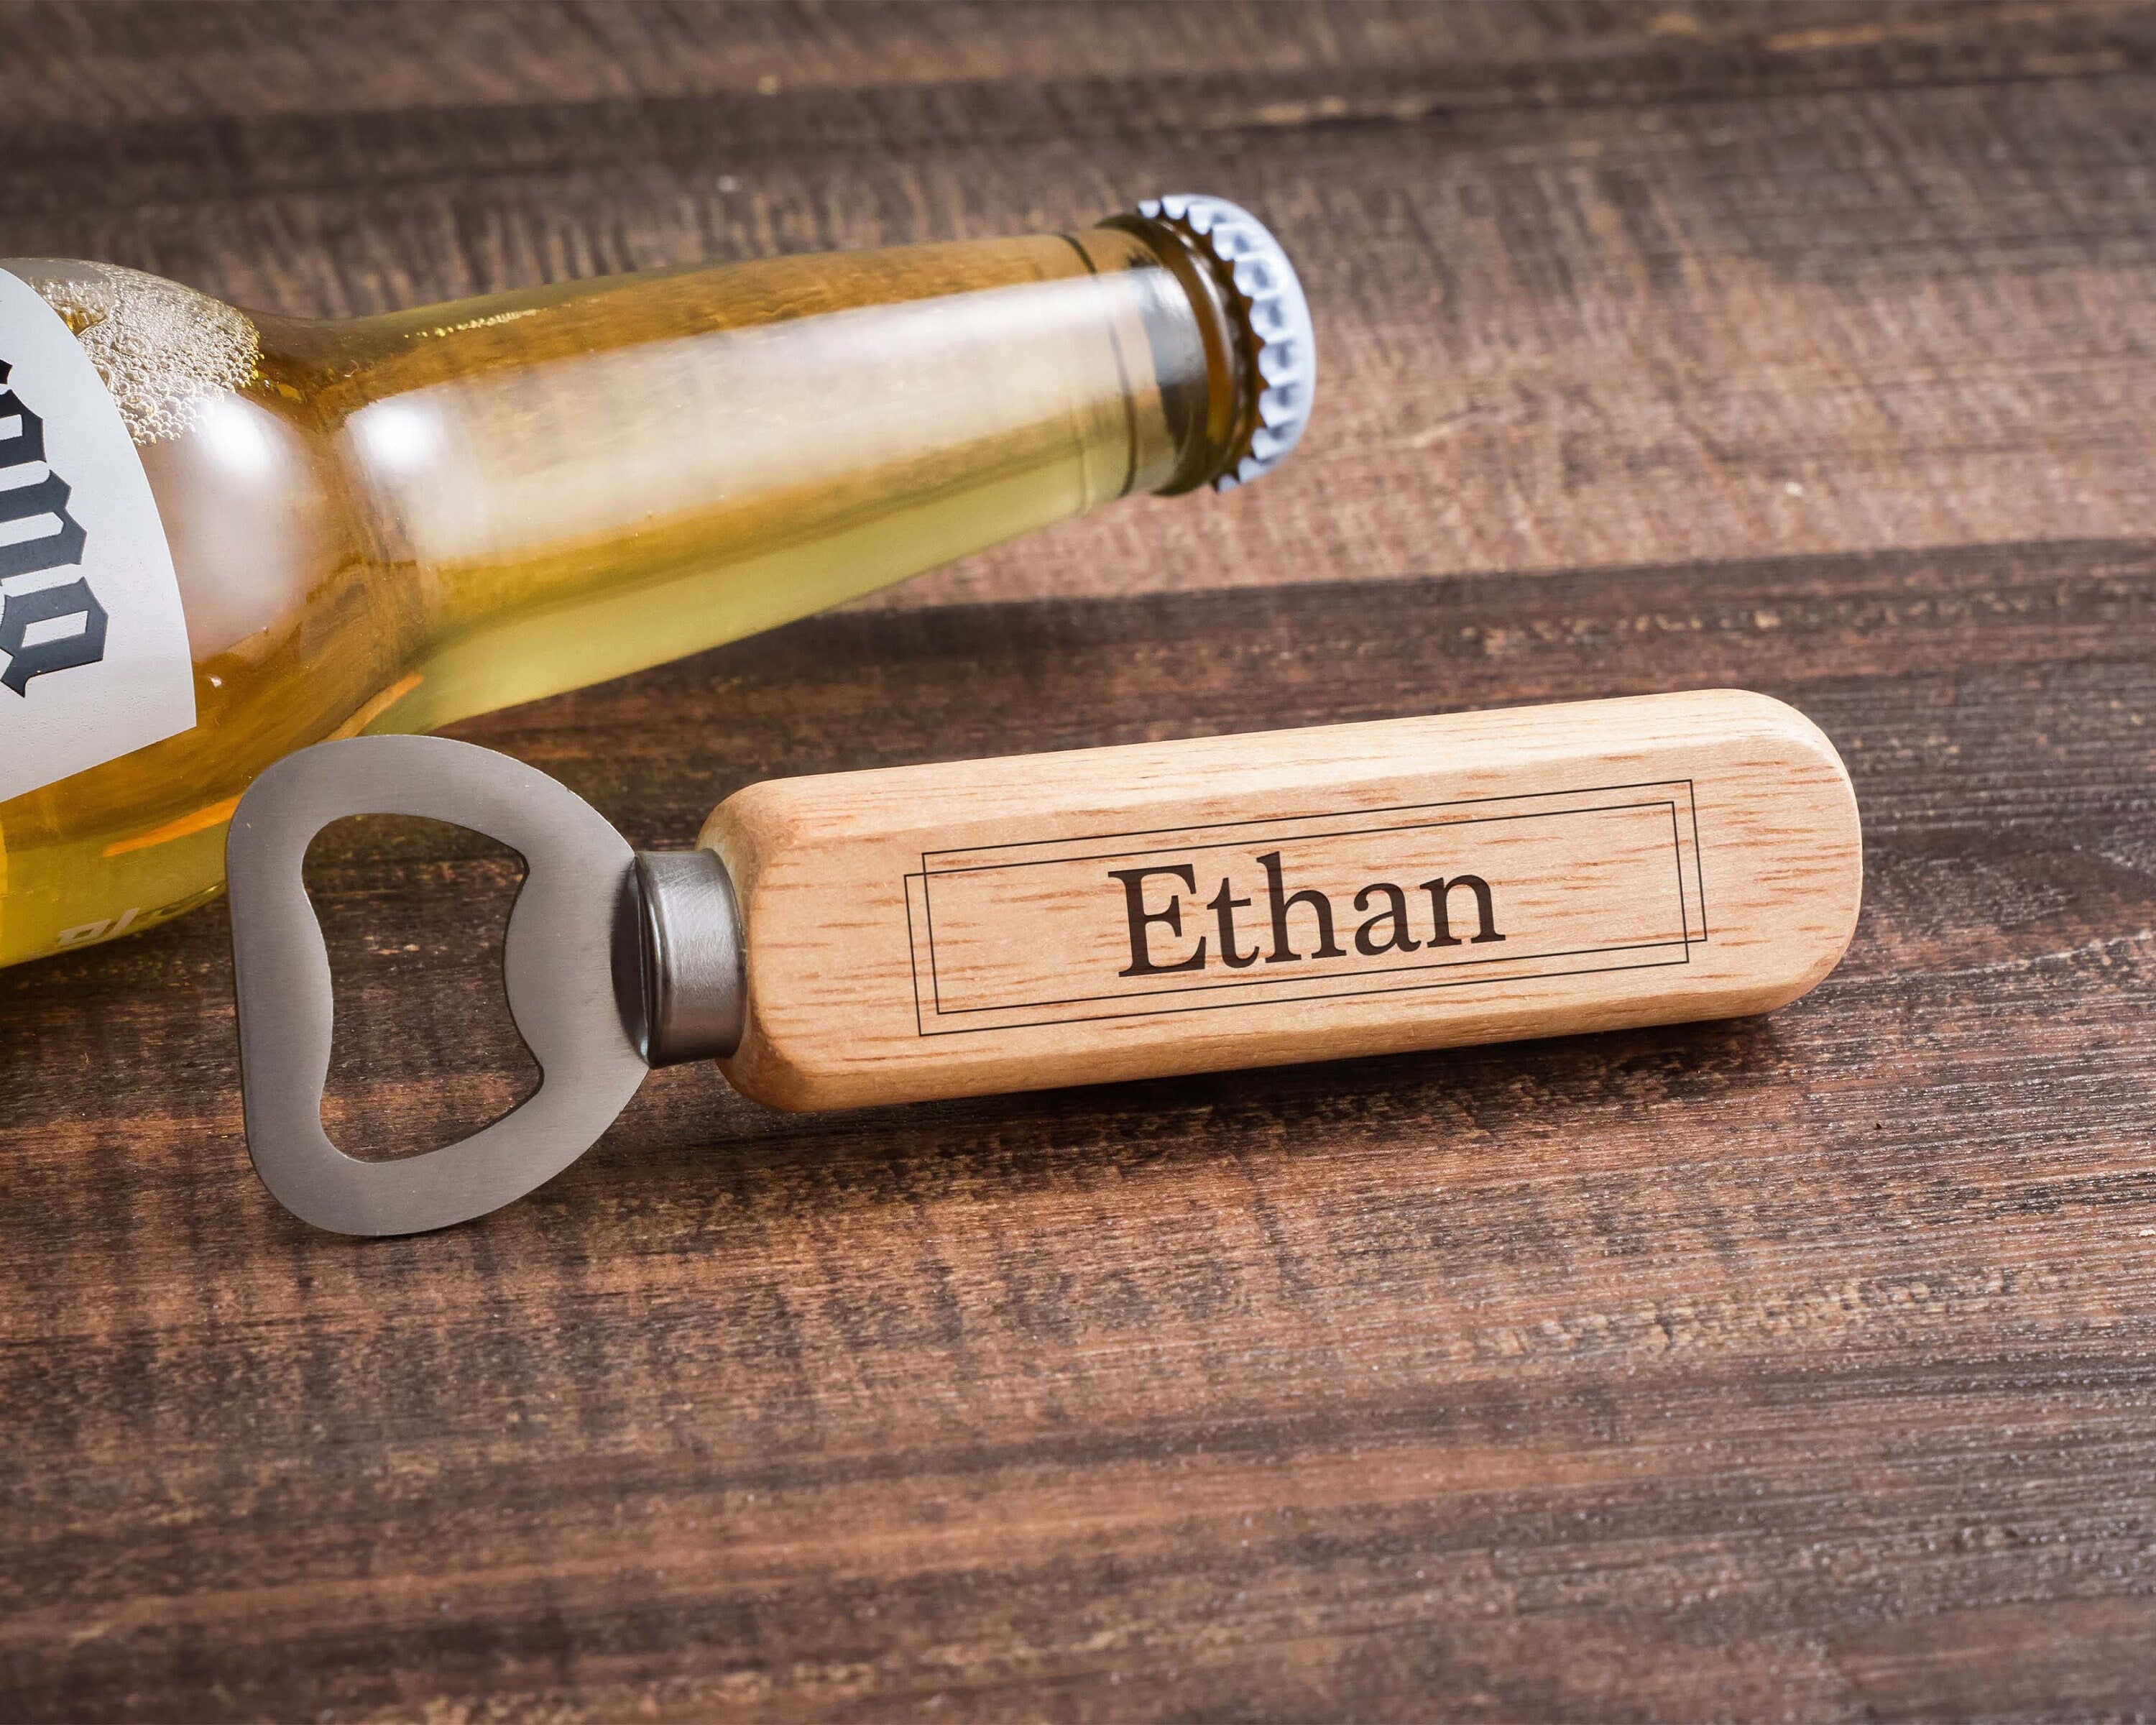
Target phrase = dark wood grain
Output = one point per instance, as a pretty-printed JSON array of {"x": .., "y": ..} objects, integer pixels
[
  {"x": 1800, "y": 1368},
  {"x": 1594, "y": 285}
]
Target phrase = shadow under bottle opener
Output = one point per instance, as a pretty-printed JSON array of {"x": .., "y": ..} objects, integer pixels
[{"x": 1016, "y": 923}]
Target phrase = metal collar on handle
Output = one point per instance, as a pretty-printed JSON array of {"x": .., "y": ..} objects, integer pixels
[{"x": 576, "y": 980}]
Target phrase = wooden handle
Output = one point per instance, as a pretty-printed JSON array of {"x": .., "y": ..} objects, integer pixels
[{"x": 1112, "y": 913}]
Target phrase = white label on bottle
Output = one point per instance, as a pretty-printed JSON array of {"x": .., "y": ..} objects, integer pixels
[{"x": 94, "y": 658}]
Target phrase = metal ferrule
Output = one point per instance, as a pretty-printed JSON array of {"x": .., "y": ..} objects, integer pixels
[{"x": 693, "y": 985}]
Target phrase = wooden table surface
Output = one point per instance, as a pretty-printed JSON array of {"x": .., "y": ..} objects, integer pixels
[{"x": 1798, "y": 1367}]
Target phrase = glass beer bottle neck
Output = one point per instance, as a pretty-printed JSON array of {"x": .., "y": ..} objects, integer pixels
[{"x": 580, "y": 481}]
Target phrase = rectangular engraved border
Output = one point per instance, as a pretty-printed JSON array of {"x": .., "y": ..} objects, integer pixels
[{"x": 1279, "y": 991}]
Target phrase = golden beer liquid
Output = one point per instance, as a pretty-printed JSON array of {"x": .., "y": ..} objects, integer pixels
[{"x": 399, "y": 522}]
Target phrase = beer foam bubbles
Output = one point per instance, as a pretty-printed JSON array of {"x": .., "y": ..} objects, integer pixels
[{"x": 163, "y": 349}]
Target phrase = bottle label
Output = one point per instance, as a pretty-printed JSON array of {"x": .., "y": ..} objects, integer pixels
[{"x": 94, "y": 660}]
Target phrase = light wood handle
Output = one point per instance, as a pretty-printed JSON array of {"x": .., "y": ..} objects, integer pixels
[{"x": 1112, "y": 913}]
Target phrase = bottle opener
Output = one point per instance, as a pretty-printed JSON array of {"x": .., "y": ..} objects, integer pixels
[{"x": 1010, "y": 924}]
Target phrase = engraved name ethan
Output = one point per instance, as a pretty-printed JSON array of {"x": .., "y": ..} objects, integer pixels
[{"x": 1290, "y": 924}]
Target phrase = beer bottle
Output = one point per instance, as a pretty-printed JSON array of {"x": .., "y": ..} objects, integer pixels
[{"x": 225, "y": 536}]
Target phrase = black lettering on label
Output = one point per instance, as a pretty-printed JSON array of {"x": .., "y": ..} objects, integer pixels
[
  {"x": 64, "y": 650},
  {"x": 34, "y": 553}
]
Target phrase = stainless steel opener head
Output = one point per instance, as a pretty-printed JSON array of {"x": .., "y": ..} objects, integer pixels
[{"x": 609, "y": 955}]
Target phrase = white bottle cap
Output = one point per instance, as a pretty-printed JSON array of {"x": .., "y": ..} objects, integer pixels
[{"x": 1273, "y": 305}]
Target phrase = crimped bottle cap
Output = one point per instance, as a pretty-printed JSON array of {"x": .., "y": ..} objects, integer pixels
[{"x": 1272, "y": 301}]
